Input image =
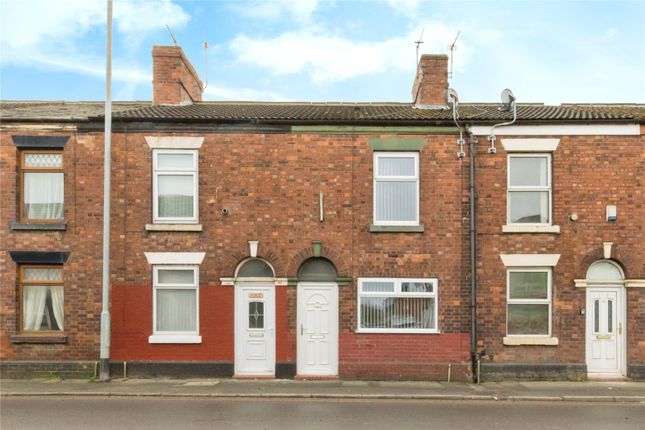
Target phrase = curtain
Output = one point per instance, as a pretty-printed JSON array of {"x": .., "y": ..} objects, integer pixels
[
  {"x": 175, "y": 196},
  {"x": 176, "y": 310},
  {"x": 34, "y": 298},
  {"x": 44, "y": 195},
  {"x": 58, "y": 305}
]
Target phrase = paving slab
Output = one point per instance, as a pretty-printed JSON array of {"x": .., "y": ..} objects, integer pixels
[{"x": 633, "y": 392}]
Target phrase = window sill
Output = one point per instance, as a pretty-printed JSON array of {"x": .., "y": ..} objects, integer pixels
[
  {"x": 33, "y": 338},
  {"x": 175, "y": 338},
  {"x": 530, "y": 340},
  {"x": 173, "y": 227},
  {"x": 59, "y": 226},
  {"x": 517, "y": 228},
  {"x": 396, "y": 228}
]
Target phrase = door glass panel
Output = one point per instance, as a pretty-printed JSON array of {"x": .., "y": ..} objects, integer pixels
[
  {"x": 610, "y": 326},
  {"x": 596, "y": 316},
  {"x": 256, "y": 314}
]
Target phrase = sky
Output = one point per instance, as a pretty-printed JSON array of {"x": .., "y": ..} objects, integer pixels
[{"x": 336, "y": 50}]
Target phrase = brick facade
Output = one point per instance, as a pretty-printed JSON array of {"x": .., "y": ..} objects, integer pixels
[{"x": 269, "y": 178}]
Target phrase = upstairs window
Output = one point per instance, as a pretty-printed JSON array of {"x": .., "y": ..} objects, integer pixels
[
  {"x": 42, "y": 179},
  {"x": 175, "y": 186},
  {"x": 529, "y": 189},
  {"x": 396, "y": 188},
  {"x": 42, "y": 292},
  {"x": 387, "y": 305}
]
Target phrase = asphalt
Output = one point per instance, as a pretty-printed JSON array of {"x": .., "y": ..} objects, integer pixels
[{"x": 614, "y": 391}]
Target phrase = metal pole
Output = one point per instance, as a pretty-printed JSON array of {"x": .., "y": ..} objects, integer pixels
[
  {"x": 473, "y": 253},
  {"x": 107, "y": 153}
]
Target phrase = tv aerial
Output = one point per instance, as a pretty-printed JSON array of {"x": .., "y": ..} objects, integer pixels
[
  {"x": 453, "y": 47},
  {"x": 508, "y": 104},
  {"x": 452, "y": 99},
  {"x": 418, "y": 42}
]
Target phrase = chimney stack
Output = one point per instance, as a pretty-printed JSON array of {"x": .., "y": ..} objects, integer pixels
[
  {"x": 431, "y": 80},
  {"x": 174, "y": 79}
]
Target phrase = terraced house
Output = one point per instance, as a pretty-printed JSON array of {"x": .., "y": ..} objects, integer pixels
[{"x": 323, "y": 240}]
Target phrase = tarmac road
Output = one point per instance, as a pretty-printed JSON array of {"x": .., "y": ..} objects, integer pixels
[{"x": 69, "y": 413}]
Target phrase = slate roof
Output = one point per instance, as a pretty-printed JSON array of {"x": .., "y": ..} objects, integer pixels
[
  {"x": 312, "y": 113},
  {"x": 59, "y": 110}
]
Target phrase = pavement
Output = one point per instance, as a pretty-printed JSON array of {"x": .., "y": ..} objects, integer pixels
[{"x": 591, "y": 391}]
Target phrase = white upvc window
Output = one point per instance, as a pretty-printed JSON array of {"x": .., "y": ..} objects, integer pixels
[
  {"x": 174, "y": 186},
  {"x": 175, "y": 305},
  {"x": 396, "y": 188},
  {"x": 528, "y": 302},
  {"x": 529, "y": 200},
  {"x": 397, "y": 305}
]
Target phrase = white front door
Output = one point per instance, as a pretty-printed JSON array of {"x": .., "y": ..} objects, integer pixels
[
  {"x": 604, "y": 332},
  {"x": 254, "y": 329},
  {"x": 317, "y": 329}
]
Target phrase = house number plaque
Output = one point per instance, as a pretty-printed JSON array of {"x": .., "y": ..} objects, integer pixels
[{"x": 256, "y": 295}]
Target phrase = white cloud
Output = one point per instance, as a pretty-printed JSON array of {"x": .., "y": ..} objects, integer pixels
[
  {"x": 409, "y": 8},
  {"x": 329, "y": 58},
  {"x": 54, "y": 34},
  {"x": 300, "y": 11}
]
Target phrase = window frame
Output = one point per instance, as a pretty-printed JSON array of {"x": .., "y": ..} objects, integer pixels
[
  {"x": 24, "y": 169},
  {"x": 397, "y": 293},
  {"x": 529, "y": 188},
  {"x": 377, "y": 178},
  {"x": 548, "y": 301},
  {"x": 21, "y": 294},
  {"x": 156, "y": 287},
  {"x": 156, "y": 172}
]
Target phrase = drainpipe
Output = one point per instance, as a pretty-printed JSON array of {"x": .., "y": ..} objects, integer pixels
[
  {"x": 473, "y": 254},
  {"x": 107, "y": 154}
]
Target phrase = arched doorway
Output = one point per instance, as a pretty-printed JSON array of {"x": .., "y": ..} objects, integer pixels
[
  {"x": 254, "y": 318},
  {"x": 317, "y": 317},
  {"x": 605, "y": 310}
]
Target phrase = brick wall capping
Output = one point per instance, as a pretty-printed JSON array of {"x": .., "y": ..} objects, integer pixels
[
  {"x": 174, "y": 227},
  {"x": 366, "y": 129},
  {"x": 396, "y": 228},
  {"x": 341, "y": 281},
  {"x": 231, "y": 281},
  {"x": 58, "y": 226},
  {"x": 396, "y": 144},
  {"x": 49, "y": 338},
  {"x": 628, "y": 283},
  {"x": 530, "y": 145},
  {"x": 39, "y": 257},
  {"x": 519, "y": 228},
  {"x": 40, "y": 142},
  {"x": 530, "y": 340},
  {"x": 175, "y": 257},
  {"x": 530, "y": 260},
  {"x": 174, "y": 142}
]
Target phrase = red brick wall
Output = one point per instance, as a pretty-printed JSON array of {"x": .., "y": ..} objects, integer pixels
[
  {"x": 589, "y": 172},
  {"x": 82, "y": 158},
  {"x": 270, "y": 184}
]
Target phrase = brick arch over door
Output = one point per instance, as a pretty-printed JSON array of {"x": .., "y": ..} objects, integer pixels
[
  {"x": 628, "y": 263},
  {"x": 234, "y": 259},
  {"x": 325, "y": 252}
]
